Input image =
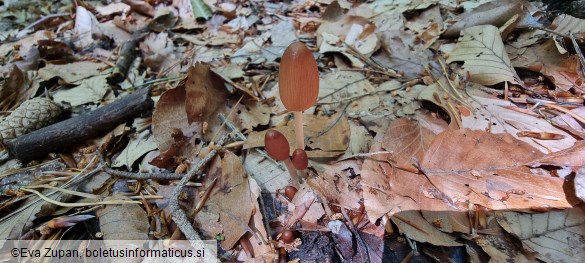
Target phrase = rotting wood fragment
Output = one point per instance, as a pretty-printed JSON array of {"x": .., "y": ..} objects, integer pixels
[{"x": 62, "y": 135}]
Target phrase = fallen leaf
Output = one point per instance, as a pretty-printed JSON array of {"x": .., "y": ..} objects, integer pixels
[
  {"x": 566, "y": 24},
  {"x": 556, "y": 236},
  {"x": 545, "y": 58},
  {"x": 204, "y": 93},
  {"x": 494, "y": 13},
  {"x": 86, "y": 26},
  {"x": 230, "y": 200},
  {"x": 389, "y": 189},
  {"x": 339, "y": 183},
  {"x": 505, "y": 183},
  {"x": 72, "y": 72},
  {"x": 136, "y": 148},
  {"x": 491, "y": 114},
  {"x": 403, "y": 52},
  {"x": 571, "y": 157},
  {"x": 484, "y": 56},
  {"x": 349, "y": 90},
  {"x": 170, "y": 114},
  {"x": 89, "y": 90},
  {"x": 253, "y": 113}
]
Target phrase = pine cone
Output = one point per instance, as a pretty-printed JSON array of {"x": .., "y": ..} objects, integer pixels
[{"x": 31, "y": 115}]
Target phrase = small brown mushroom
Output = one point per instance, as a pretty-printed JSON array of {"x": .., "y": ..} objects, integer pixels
[
  {"x": 277, "y": 147},
  {"x": 298, "y": 81}
]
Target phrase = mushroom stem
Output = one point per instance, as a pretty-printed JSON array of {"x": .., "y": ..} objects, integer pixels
[
  {"x": 300, "y": 136},
  {"x": 292, "y": 171}
]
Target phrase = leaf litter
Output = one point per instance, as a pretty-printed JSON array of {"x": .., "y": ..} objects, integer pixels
[{"x": 417, "y": 137}]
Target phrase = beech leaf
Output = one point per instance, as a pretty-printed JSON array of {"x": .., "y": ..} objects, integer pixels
[
  {"x": 482, "y": 51},
  {"x": 556, "y": 236}
]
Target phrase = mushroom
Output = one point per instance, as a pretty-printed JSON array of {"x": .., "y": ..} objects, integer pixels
[
  {"x": 298, "y": 81},
  {"x": 277, "y": 147},
  {"x": 300, "y": 159}
]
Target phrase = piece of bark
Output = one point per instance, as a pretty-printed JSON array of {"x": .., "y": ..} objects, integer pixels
[{"x": 70, "y": 132}]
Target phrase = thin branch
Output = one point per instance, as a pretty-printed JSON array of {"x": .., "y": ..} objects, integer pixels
[
  {"x": 178, "y": 214},
  {"x": 142, "y": 176}
]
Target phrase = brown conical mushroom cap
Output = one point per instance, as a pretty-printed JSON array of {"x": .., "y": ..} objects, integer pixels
[
  {"x": 298, "y": 78},
  {"x": 276, "y": 145}
]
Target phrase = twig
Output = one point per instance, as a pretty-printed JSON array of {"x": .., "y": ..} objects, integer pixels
[
  {"x": 40, "y": 20},
  {"x": 142, "y": 176},
  {"x": 178, "y": 214}
]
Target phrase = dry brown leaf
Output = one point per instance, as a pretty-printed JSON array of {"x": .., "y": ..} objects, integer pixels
[
  {"x": 325, "y": 136},
  {"x": 230, "y": 203},
  {"x": 568, "y": 122},
  {"x": 205, "y": 93},
  {"x": 390, "y": 190},
  {"x": 338, "y": 183},
  {"x": 158, "y": 52},
  {"x": 167, "y": 159},
  {"x": 491, "y": 114},
  {"x": 497, "y": 183},
  {"x": 86, "y": 26},
  {"x": 72, "y": 72},
  {"x": 573, "y": 157},
  {"x": 170, "y": 114},
  {"x": 123, "y": 222},
  {"x": 545, "y": 58},
  {"x": 346, "y": 87},
  {"x": 139, "y": 145},
  {"x": 566, "y": 24},
  {"x": 428, "y": 25},
  {"x": 556, "y": 236},
  {"x": 341, "y": 27},
  {"x": 484, "y": 56},
  {"x": 494, "y": 13},
  {"x": 403, "y": 52},
  {"x": 253, "y": 113}
]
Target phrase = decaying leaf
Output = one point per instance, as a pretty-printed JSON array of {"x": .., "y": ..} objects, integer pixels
[
  {"x": 230, "y": 201},
  {"x": 325, "y": 136},
  {"x": 205, "y": 93},
  {"x": 502, "y": 183},
  {"x": 170, "y": 114},
  {"x": 136, "y": 148},
  {"x": 88, "y": 90},
  {"x": 123, "y": 222},
  {"x": 556, "y": 236},
  {"x": 72, "y": 72},
  {"x": 482, "y": 50},
  {"x": 389, "y": 189},
  {"x": 493, "y": 115},
  {"x": 494, "y": 13}
]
